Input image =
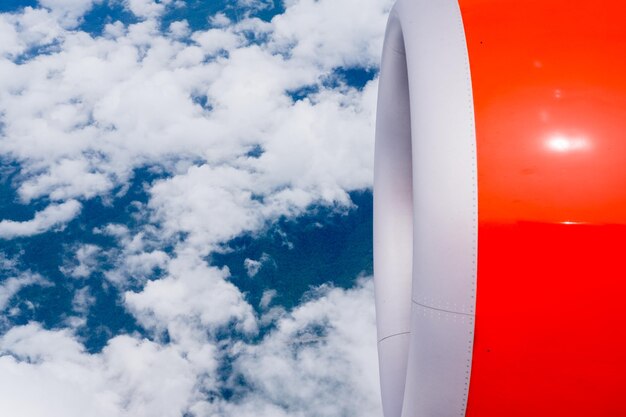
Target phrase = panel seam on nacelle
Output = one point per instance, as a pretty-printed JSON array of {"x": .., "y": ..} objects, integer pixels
[
  {"x": 442, "y": 309},
  {"x": 392, "y": 335}
]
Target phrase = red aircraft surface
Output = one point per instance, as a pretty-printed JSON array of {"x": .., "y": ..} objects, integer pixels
[{"x": 500, "y": 209}]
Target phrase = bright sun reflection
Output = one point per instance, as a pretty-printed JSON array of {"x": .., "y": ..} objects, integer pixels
[{"x": 563, "y": 144}]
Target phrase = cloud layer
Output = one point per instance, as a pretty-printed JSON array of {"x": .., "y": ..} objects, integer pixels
[
  {"x": 319, "y": 361},
  {"x": 242, "y": 122}
]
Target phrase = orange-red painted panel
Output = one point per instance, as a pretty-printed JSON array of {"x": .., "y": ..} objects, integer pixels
[
  {"x": 550, "y": 328},
  {"x": 549, "y": 85}
]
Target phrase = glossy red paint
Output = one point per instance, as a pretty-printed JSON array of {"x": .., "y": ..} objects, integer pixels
[{"x": 549, "y": 85}]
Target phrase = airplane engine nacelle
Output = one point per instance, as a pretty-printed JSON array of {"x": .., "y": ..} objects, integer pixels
[{"x": 500, "y": 209}]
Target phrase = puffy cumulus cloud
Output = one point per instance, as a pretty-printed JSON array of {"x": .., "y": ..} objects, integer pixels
[
  {"x": 31, "y": 28},
  {"x": 333, "y": 33},
  {"x": 11, "y": 43},
  {"x": 180, "y": 29},
  {"x": 53, "y": 216},
  {"x": 41, "y": 26},
  {"x": 65, "y": 179},
  {"x": 193, "y": 300},
  {"x": 318, "y": 125},
  {"x": 69, "y": 12},
  {"x": 219, "y": 20},
  {"x": 320, "y": 360},
  {"x": 80, "y": 118},
  {"x": 130, "y": 377},
  {"x": 147, "y": 8},
  {"x": 137, "y": 257},
  {"x": 209, "y": 204},
  {"x": 212, "y": 204},
  {"x": 223, "y": 115}
]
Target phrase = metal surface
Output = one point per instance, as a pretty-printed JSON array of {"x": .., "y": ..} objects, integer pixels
[
  {"x": 500, "y": 209},
  {"x": 425, "y": 149}
]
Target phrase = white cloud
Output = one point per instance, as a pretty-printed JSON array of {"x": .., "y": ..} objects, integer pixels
[
  {"x": 141, "y": 265},
  {"x": 180, "y": 29},
  {"x": 86, "y": 260},
  {"x": 253, "y": 266},
  {"x": 333, "y": 33},
  {"x": 11, "y": 43},
  {"x": 214, "y": 40},
  {"x": 267, "y": 297},
  {"x": 12, "y": 285},
  {"x": 69, "y": 12},
  {"x": 53, "y": 216},
  {"x": 114, "y": 30},
  {"x": 83, "y": 300},
  {"x": 22, "y": 31},
  {"x": 212, "y": 205},
  {"x": 66, "y": 179},
  {"x": 48, "y": 373},
  {"x": 255, "y": 4},
  {"x": 219, "y": 20},
  {"x": 192, "y": 295},
  {"x": 147, "y": 8},
  {"x": 80, "y": 119},
  {"x": 319, "y": 361}
]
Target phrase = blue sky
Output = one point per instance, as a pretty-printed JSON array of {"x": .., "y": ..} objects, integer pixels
[{"x": 185, "y": 207}]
